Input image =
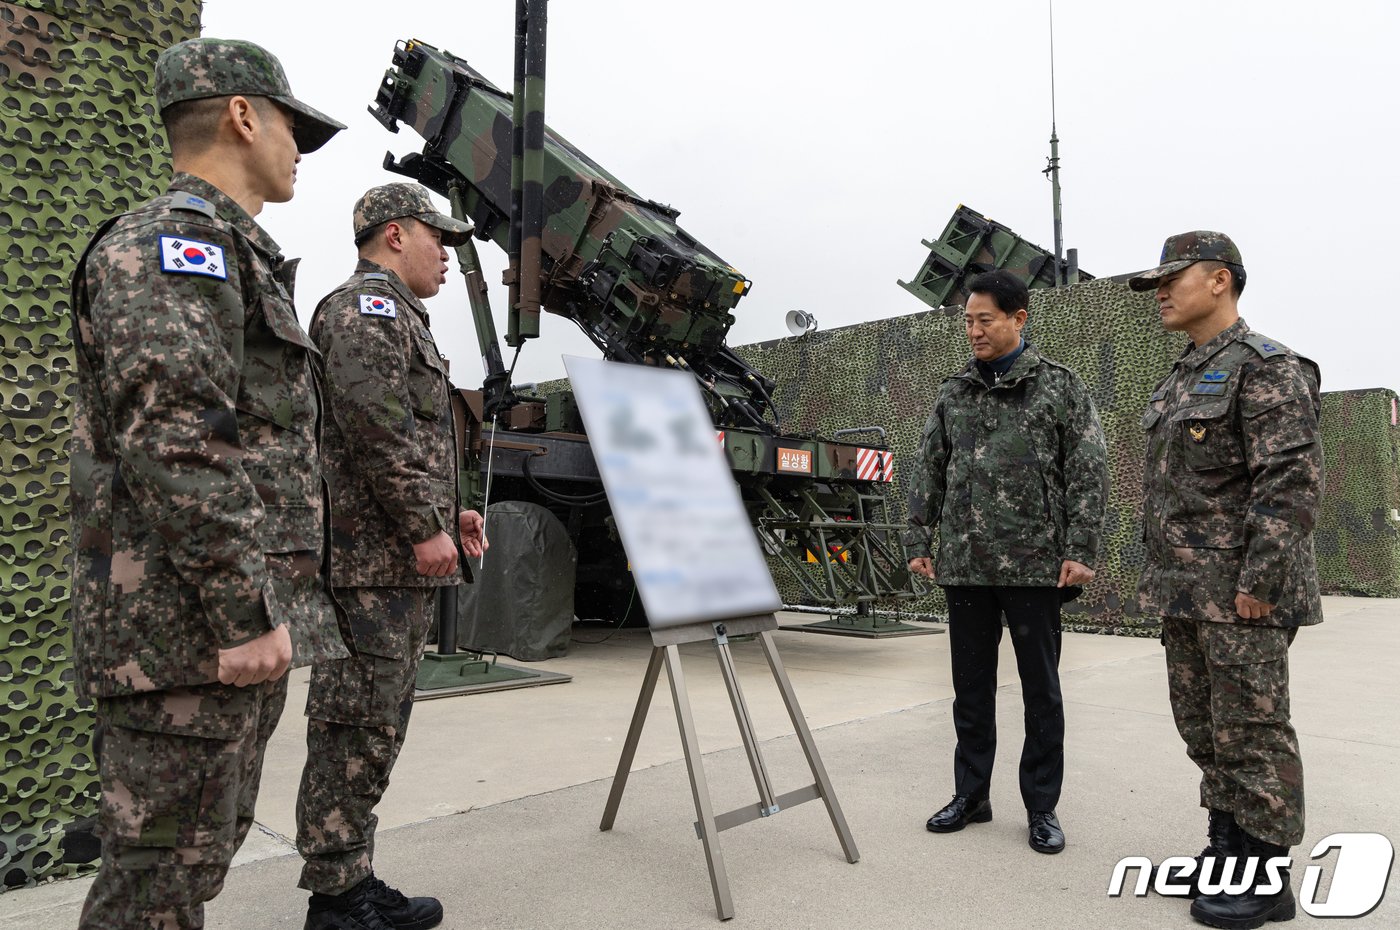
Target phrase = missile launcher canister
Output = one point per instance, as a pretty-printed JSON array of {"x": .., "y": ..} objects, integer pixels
[
  {"x": 972, "y": 244},
  {"x": 642, "y": 288}
]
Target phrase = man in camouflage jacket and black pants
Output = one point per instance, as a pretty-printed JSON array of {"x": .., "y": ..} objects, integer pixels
[
  {"x": 1013, "y": 478},
  {"x": 198, "y": 507},
  {"x": 1230, "y": 493},
  {"x": 391, "y": 460}
]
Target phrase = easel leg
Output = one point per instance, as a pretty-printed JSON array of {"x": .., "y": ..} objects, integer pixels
[
  {"x": 634, "y": 736},
  {"x": 809, "y": 748},
  {"x": 746, "y": 730},
  {"x": 704, "y": 811}
]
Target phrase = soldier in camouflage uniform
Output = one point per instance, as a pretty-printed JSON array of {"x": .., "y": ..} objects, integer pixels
[
  {"x": 391, "y": 459},
  {"x": 198, "y": 506},
  {"x": 1230, "y": 491},
  {"x": 1013, "y": 477}
]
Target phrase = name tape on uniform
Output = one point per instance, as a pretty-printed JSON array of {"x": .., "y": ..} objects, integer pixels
[
  {"x": 190, "y": 256},
  {"x": 370, "y": 305}
]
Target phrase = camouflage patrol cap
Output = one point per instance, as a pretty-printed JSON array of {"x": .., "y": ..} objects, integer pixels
[
  {"x": 1185, "y": 249},
  {"x": 393, "y": 201},
  {"x": 200, "y": 68}
]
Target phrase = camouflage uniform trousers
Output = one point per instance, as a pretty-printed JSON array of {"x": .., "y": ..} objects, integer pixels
[
  {"x": 358, "y": 709},
  {"x": 1229, "y": 694},
  {"x": 180, "y": 772}
]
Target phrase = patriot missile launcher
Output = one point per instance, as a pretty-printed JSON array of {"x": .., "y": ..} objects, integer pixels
[
  {"x": 641, "y": 287},
  {"x": 971, "y": 244},
  {"x": 646, "y": 292}
]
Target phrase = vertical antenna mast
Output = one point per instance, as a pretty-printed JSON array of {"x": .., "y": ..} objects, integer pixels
[{"x": 1052, "y": 167}]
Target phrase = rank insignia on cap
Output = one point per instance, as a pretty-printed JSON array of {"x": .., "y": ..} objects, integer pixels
[
  {"x": 372, "y": 305},
  {"x": 190, "y": 256}
]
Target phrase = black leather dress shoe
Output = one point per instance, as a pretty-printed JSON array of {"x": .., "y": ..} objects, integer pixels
[
  {"x": 959, "y": 813},
  {"x": 1045, "y": 833}
]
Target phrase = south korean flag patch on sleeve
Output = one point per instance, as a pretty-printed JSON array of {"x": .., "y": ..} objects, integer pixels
[
  {"x": 374, "y": 305},
  {"x": 190, "y": 256}
]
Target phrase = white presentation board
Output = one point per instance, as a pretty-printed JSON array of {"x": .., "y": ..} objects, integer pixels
[{"x": 694, "y": 554}]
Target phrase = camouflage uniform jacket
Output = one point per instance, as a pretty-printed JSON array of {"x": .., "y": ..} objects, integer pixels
[
  {"x": 1013, "y": 477},
  {"x": 1232, "y": 483},
  {"x": 390, "y": 452},
  {"x": 198, "y": 506}
]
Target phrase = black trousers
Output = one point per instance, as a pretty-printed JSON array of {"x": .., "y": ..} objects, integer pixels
[{"x": 974, "y": 633}]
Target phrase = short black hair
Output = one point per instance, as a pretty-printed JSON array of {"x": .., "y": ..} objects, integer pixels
[
  {"x": 372, "y": 234},
  {"x": 1237, "y": 275},
  {"x": 1007, "y": 291},
  {"x": 190, "y": 125}
]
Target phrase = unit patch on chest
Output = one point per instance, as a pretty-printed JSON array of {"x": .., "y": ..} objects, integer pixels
[{"x": 374, "y": 305}]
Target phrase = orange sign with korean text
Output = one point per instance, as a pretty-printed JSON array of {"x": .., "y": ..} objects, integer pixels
[{"x": 798, "y": 461}]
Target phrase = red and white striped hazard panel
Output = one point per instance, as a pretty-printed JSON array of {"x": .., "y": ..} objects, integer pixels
[{"x": 874, "y": 464}]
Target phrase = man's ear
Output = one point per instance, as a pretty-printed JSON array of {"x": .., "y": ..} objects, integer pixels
[
  {"x": 393, "y": 236},
  {"x": 243, "y": 118}
]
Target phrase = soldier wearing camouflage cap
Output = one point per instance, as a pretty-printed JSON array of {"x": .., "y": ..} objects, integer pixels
[
  {"x": 204, "y": 69},
  {"x": 391, "y": 460},
  {"x": 197, "y": 501},
  {"x": 1012, "y": 478},
  {"x": 394, "y": 201},
  {"x": 1231, "y": 489}
]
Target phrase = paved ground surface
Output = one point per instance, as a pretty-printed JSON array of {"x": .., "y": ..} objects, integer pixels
[{"x": 496, "y": 800}]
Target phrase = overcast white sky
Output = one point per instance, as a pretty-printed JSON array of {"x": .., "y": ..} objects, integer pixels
[{"x": 813, "y": 145}]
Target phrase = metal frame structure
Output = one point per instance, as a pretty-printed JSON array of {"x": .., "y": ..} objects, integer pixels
[{"x": 708, "y": 826}]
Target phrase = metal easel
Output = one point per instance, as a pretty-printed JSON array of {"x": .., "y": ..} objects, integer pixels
[{"x": 665, "y": 649}]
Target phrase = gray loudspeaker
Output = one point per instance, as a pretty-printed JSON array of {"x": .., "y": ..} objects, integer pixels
[{"x": 800, "y": 322}]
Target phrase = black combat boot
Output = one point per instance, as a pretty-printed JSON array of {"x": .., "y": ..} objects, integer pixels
[
  {"x": 1251, "y": 908},
  {"x": 1223, "y": 836},
  {"x": 349, "y": 910},
  {"x": 401, "y": 911}
]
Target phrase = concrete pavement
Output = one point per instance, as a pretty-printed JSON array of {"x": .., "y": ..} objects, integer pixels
[{"x": 496, "y": 799}]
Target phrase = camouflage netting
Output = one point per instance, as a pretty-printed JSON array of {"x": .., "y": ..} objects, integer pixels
[
  {"x": 885, "y": 373},
  {"x": 1358, "y": 536},
  {"x": 80, "y": 141}
]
